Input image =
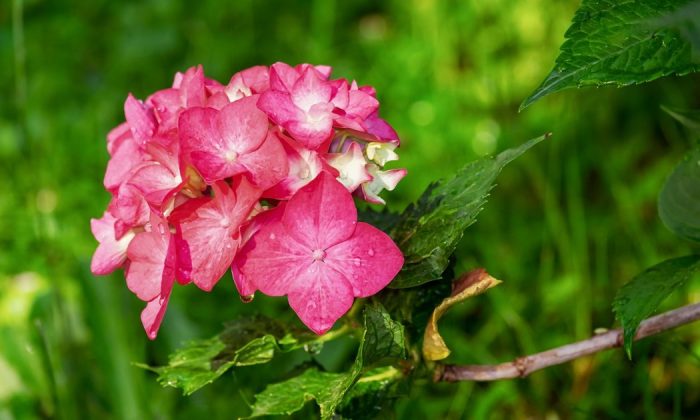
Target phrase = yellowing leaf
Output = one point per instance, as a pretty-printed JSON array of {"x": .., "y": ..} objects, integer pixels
[{"x": 470, "y": 284}]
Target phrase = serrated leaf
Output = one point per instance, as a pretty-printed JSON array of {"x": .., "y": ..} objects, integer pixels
[
  {"x": 244, "y": 342},
  {"x": 679, "y": 199},
  {"x": 287, "y": 397},
  {"x": 429, "y": 230},
  {"x": 381, "y": 219},
  {"x": 471, "y": 284},
  {"x": 623, "y": 43},
  {"x": 639, "y": 298},
  {"x": 382, "y": 339},
  {"x": 373, "y": 394}
]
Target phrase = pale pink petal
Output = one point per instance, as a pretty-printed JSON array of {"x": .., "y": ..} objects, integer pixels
[
  {"x": 192, "y": 87},
  {"x": 381, "y": 180},
  {"x": 110, "y": 253},
  {"x": 167, "y": 104},
  {"x": 361, "y": 104},
  {"x": 140, "y": 118},
  {"x": 257, "y": 78},
  {"x": 151, "y": 260},
  {"x": 314, "y": 129},
  {"x": 321, "y": 214},
  {"x": 320, "y": 296},
  {"x": 369, "y": 259},
  {"x": 310, "y": 90},
  {"x": 323, "y": 70},
  {"x": 268, "y": 164},
  {"x": 351, "y": 166}
]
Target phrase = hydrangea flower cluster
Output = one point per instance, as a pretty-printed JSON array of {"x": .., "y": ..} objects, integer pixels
[{"x": 257, "y": 176}]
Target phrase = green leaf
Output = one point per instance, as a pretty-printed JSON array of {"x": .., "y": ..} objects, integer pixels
[
  {"x": 429, "y": 230},
  {"x": 625, "y": 42},
  {"x": 244, "y": 342},
  {"x": 381, "y": 219},
  {"x": 289, "y": 396},
  {"x": 639, "y": 298},
  {"x": 374, "y": 394},
  {"x": 382, "y": 340},
  {"x": 679, "y": 200}
]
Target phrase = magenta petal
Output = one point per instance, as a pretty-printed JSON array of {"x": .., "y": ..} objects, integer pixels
[
  {"x": 369, "y": 259},
  {"x": 279, "y": 107},
  {"x": 268, "y": 164},
  {"x": 130, "y": 206},
  {"x": 320, "y": 296},
  {"x": 321, "y": 214},
  {"x": 126, "y": 156},
  {"x": 282, "y": 77}
]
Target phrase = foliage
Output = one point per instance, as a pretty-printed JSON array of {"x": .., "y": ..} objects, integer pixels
[
  {"x": 428, "y": 230},
  {"x": 639, "y": 298},
  {"x": 624, "y": 43},
  {"x": 679, "y": 200},
  {"x": 570, "y": 221}
]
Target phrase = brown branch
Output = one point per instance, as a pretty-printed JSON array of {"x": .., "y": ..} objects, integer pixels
[{"x": 523, "y": 366}]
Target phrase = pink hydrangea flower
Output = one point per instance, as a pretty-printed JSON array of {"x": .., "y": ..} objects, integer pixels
[
  {"x": 318, "y": 255},
  {"x": 256, "y": 175}
]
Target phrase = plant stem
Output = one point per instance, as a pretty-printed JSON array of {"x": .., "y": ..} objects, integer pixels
[{"x": 523, "y": 366}]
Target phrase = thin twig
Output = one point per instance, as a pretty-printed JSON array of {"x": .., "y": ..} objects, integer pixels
[{"x": 523, "y": 366}]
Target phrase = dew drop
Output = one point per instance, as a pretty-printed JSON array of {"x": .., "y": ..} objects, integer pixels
[
  {"x": 356, "y": 262},
  {"x": 272, "y": 236},
  {"x": 161, "y": 229},
  {"x": 247, "y": 299},
  {"x": 371, "y": 252}
]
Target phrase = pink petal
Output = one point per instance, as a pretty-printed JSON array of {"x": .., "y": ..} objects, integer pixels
[
  {"x": 310, "y": 90},
  {"x": 167, "y": 104},
  {"x": 130, "y": 206},
  {"x": 321, "y": 214},
  {"x": 369, "y": 259},
  {"x": 244, "y": 285},
  {"x": 116, "y": 136},
  {"x": 125, "y": 157},
  {"x": 271, "y": 261},
  {"x": 283, "y": 76},
  {"x": 210, "y": 236},
  {"x": 268, "y": 164},
  {"x": 361, "y": 104},
  {"x": 320, "y": 296},
  {"x": 242, "y": 125},
  {"x": 279, "y": 107},
  {"x": 380, "y": 128},
  {"x": 140, "y": 118},
  {"x": 152, "y": 315},
  {"x": 192, "y": 87},
  {"x": 110, "y": 253},
  {"x": 152, "y": 261},
  {"x": 303, "y": 164}
]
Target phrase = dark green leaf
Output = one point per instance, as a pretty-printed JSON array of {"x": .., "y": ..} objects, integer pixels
[
  {"x": 679, "y": 200},
  {"x": 625, "y": 42},
  {"x": 639, "y": 298},
  {"x": 381, "y": 219},
  {"x": 382, "y": 339},
  {"x": 247, "y": 341},
  {"x": 429, "y": 230},
  {"x": 374, "y": 394}
]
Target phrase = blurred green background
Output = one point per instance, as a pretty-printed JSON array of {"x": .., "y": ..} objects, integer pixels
[{"x": 568, "y": 224}]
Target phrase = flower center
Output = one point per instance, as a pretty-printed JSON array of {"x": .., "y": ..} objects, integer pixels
[
  {"x": 318, "y": 255},
  {"x": 231, "y": 156}
]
